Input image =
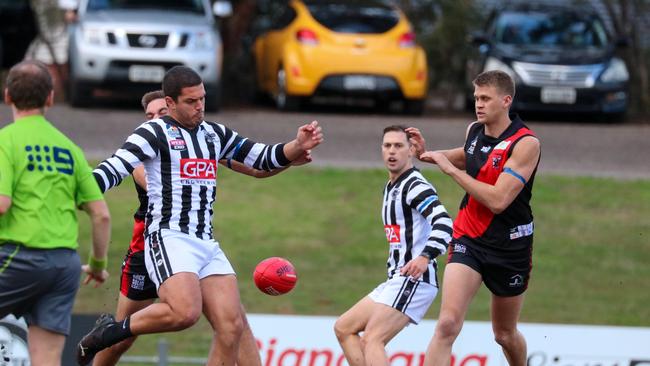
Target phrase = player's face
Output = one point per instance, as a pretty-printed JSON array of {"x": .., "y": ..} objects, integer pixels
[
  {"x": 397, "y": 152},
  {"x": 156, "y": 108},
  {"x": 188, "y": 109},
  {"x": 490, "y": 105}
]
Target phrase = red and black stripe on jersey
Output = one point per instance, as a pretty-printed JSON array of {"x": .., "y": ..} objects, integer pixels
[{"x": 485, "y": 158}]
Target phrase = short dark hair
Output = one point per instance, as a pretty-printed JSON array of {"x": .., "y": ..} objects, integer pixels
[
  {"x": 498, "y": 79},
  {"x": 151, "y": 96},
  {"x": 29, "y": 83},
  {"x": 397, "y": 128},
  {"x": 177, "y": 78}
]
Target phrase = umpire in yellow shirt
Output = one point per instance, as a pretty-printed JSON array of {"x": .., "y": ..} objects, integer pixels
[{"x": 44, "y": 178}]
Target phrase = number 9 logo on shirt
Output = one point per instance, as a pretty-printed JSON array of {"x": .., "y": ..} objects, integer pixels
[{"x": 49, "y": 158}]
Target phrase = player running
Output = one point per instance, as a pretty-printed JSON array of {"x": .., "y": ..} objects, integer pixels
[
  {"x": 180, "y": 153},
  {"x": 418, "y": 230}
]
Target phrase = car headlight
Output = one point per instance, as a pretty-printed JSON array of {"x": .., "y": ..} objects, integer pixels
[
  {"x": 93, "y": 35},
  {"x": 495, "y": 64},
  {"x": 615, "y": 72},
  {"x": 202, "y": 41}
]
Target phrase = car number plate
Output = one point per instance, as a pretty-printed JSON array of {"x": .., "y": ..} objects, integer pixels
[
  {"x": 558, "y": 95},
  {"x": 146, "y": 73},
  {"x": 359, "y": 82}
]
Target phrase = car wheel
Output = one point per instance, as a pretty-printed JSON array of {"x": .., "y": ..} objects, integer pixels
[
  {"x": 79, "y": 94},
  {"x": 413, "y": 107},
  {"x": 284, "y": 101}
]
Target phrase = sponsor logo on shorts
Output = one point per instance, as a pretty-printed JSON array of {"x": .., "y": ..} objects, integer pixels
[
  {"x": 459, "y": 248},
  {"x": 392, "y": 233},
  {"x": 516, "y": 281},
  {"x": 137, "y": 283},
  {"x": 198, "y": 171}
]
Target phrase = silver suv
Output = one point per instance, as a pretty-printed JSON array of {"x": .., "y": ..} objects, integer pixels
[{"x": 128, "y": 45}]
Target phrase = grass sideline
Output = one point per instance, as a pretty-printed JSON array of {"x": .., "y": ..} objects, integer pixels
[{"x": 591, "y": 249}]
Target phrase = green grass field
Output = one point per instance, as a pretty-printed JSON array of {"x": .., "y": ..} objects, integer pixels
[{"x": 591, "y": 250}]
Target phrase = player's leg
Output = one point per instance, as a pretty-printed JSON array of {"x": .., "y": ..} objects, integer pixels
[
  {"x": 249, "y": 353},
  {"x": 45, "y": 347},
  {"x": 347, "y": 329},
  {"x": 505, "y": 314},
  {"x": 222, "y": 308},
  {"x": 507, "y": 278},
  {"x": 125, "y": 307},
  {"x": 384, "y": 324},
  {"x": 460, "y": 283}
]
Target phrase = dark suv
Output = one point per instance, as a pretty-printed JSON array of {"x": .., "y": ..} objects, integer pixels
[{"x": 562, "y": 59}]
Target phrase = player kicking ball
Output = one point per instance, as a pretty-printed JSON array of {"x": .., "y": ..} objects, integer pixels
[
  {"x": 137, "y": 291},
  {"x": 418, "y": 229}
]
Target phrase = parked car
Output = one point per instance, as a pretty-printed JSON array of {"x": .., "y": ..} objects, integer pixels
[
  {"x": 341, "y": 48},
  {"x": 562, "y": 59},
  {"x": 128, "y": 45},
  {"x": 17, "y": 30}
]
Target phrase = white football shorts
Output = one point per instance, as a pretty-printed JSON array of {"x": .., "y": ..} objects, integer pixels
[
  {"x": 404, "y": 294},
  {"x": 167, "y": 252}
]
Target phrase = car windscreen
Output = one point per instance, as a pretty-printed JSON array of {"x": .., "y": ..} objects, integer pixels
[
  {"x": 194, "y": 6},
  {"x": 550, "y": 29},
  {"x": 358, "y": 17}
]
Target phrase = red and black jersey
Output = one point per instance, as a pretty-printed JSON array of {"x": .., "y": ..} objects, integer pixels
[{"x": 485, "y": 158}]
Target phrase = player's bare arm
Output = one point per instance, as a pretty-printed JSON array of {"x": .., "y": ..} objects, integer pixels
[
  {"x": 455, "y": 156},
  {"x": 101, "y": 224},
  {"x": 238, "y": 167},
  {"x": 309, "y": 136},
  {"x": 499, "y": 196},
  {"x": 5, "y": 203}
]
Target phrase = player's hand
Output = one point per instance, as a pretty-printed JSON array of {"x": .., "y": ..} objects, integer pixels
[
  {"x": 440, "y": 159},
  {"x": 303, "y": 159},
  {"x": 417, "y": 141},
  {"x": 415, "y": 267},
  {"x": 309, "y": 136},
  {"x": 99, "y": 277}
]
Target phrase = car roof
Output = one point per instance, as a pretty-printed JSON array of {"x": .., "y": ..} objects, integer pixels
[
  {"x": 347, "y": 2},
  {"x": 584, "y": 9}
]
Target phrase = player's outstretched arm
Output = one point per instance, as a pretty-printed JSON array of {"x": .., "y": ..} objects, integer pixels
[
  {"x": 309, "y": 136},
  {"x": 497, "y": 197},
  {"x": 101, "y": 228},
  {"x": 238, "y": 167}
]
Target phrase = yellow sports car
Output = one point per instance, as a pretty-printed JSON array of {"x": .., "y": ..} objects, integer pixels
[{"x": 343, "y": 48}]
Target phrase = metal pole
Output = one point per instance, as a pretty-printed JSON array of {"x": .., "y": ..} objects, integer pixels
[{"x": 163, "y": 352}]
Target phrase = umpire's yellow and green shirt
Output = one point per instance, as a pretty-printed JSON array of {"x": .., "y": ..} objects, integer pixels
[{"x": 47, "y": 177}]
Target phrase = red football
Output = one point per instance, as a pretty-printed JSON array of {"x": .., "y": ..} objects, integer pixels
[{"x": 275, "y": 276}]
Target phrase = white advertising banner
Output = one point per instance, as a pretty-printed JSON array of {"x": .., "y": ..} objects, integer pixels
[{"x": 310, "y": 341}]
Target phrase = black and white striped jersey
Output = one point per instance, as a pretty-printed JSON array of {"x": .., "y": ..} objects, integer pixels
[
  {"x": 415, "y": 222},
  {"x": 181, "y": 169}
]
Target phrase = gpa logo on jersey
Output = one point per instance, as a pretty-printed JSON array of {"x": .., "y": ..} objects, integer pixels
[
  {"x": 178, "y": 144},
  {"x": 392, "y": 233},
  {"x": 198, "y": 169}
]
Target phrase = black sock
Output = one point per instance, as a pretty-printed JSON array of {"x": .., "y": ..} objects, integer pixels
[{"x": 118, "y": 331}]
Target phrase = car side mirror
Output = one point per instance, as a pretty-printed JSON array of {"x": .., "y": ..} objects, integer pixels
[
  {"x": 222, "y": 9},
  {"x": 478, "y": 39}
]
